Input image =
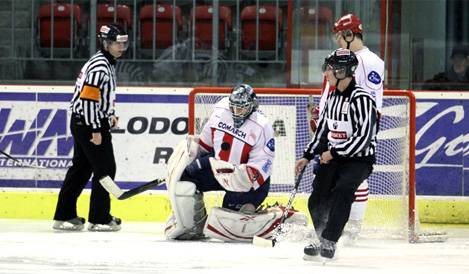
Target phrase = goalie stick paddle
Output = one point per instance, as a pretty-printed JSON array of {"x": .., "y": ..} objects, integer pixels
[
  {"x": 258, "y": 241},
  {"x": 20, "y": 163},
  {"x": 117, "y": 192}
]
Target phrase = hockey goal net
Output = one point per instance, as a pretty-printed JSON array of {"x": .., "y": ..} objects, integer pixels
[{"x": 391, "y": 208}]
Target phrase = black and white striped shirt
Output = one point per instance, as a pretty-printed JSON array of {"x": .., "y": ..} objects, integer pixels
[
  {"x": 94, "y": 94},
  {"x": 348, "y": 124}
]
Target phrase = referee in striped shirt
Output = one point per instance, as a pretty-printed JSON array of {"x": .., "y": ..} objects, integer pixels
[
  {"x": 346, "y": 141},
  {"x": 92, "y": 118}
]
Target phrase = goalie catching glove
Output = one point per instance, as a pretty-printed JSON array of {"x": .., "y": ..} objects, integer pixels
[{"x": 238, "y": 178}]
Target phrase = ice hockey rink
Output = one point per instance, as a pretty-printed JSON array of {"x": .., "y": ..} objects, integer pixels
[{"x": 30, "y": 246}]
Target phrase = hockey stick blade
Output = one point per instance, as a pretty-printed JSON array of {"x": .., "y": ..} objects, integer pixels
[
  {"x": 261, "y": 242},
  {"x": 430, "y": 237},
  {"x": 134, "y": 191},
  {"x": 117, "y": 192},
  {"x": 19, "y": 162}
]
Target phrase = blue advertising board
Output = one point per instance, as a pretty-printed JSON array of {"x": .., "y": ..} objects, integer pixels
[
  {"x": 442, "y": 146},
  {"x": 34, "y": 129}
]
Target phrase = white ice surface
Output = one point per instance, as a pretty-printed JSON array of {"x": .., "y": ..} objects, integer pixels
[{"x": 28, "y": 246}]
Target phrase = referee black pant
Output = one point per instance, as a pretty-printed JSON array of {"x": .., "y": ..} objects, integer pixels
[
  {"x": 88, "y": 159},
  {"x": 333, "y": 194}
]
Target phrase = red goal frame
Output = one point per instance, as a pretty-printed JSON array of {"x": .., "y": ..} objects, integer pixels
[{"x": 412, "y": 235}]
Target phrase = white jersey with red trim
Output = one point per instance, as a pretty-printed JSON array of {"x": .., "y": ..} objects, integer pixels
[
  {"x": 252, "y": 144},
  {"x": 369, "y": 75}
]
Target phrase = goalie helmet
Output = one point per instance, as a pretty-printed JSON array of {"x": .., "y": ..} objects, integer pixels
[
  {"x": 113, "y": 33},
  {"x": 342, "y": 62},
  {"x": 243, "y": 102}
]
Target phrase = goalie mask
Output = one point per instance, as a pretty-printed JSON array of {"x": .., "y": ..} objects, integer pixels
[
  {"x": 243, "y": 102},
  {"x": 342, "y": 62}
]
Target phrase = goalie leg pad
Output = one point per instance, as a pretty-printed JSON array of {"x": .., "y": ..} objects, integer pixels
[
  {"x": 180, "y": 158},
  {"x": 187, "y": 205},
  {"x": 235, "y": 226},
  {"x": 189, "y": 214}
]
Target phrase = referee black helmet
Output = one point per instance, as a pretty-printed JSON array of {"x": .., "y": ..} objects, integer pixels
[
  {"x": 113, "y": 33},
  {"x": 343, "y": 63}
]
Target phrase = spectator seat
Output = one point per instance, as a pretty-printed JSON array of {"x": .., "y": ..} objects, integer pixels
[
  {"x": 203, "y": 17},
  {"x": 163, "y": 25},
  {"x": 66, "y": 21},
  {"x": 270, "y": 18}
]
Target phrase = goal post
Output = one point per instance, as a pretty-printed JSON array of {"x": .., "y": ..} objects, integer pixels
[{"x": 392, "y": 183}]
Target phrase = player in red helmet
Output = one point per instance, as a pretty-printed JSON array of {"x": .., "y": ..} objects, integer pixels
[{"x": 348, "y": 27}]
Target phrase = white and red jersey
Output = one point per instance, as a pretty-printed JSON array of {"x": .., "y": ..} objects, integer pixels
[
  {"x": 369, "y": 75},
  {"x": 252, "y": 144}
]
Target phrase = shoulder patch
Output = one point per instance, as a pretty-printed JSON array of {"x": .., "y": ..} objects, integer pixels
[
  {"x": 271, "y": 145},
  {"x": 374, "y": 77}
]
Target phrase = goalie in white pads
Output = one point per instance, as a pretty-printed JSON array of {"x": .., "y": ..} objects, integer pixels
[{"x": 234, "y": 153}]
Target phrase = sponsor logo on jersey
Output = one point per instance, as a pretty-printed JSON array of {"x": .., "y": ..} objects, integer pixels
[
  {"x": 229, "y": 128},
  {"x": 341, "y": 135},
  {"x": 266, "y": 166},
  {"x": 271, "y": 144},
  {"x": 374, "y": 77}
]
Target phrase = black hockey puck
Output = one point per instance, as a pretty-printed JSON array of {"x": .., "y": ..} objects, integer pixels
[{"x": 225, "y": 146}]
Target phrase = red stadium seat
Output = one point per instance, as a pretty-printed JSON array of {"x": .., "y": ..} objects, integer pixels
[
  {"x": 64, "y": 32},
  {"x": 203, "y": 26},
  {"x": 320, "y": 25},
  {"x": 163, "y": 25},
  {"x": 267, "y": 28},
  {"x": 105, "y": 15}
]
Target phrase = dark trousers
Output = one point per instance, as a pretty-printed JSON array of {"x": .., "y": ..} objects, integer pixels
[
  {"x": 333, "y": 194},
  {"x": 88, "y": 159},
  {"x": 200, "y": 173}
]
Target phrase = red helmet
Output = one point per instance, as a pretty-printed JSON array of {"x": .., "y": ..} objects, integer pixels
[{"x": 348, "y": 22}]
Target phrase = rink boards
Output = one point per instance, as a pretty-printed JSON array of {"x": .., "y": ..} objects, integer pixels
[{"x": 34, "y": 129}]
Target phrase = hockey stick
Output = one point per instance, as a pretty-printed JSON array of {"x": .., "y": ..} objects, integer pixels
[
  {"x": 19, "y": 162},
  {"x": 115, "y": 190},
  {"x": 258, "y": 241}
]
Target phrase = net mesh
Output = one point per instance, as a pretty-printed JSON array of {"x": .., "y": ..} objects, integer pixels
[{"x": 388, "y": 185}]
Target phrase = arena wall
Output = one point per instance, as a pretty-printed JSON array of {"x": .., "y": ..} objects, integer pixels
[{"x": 34, "y": 129}]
